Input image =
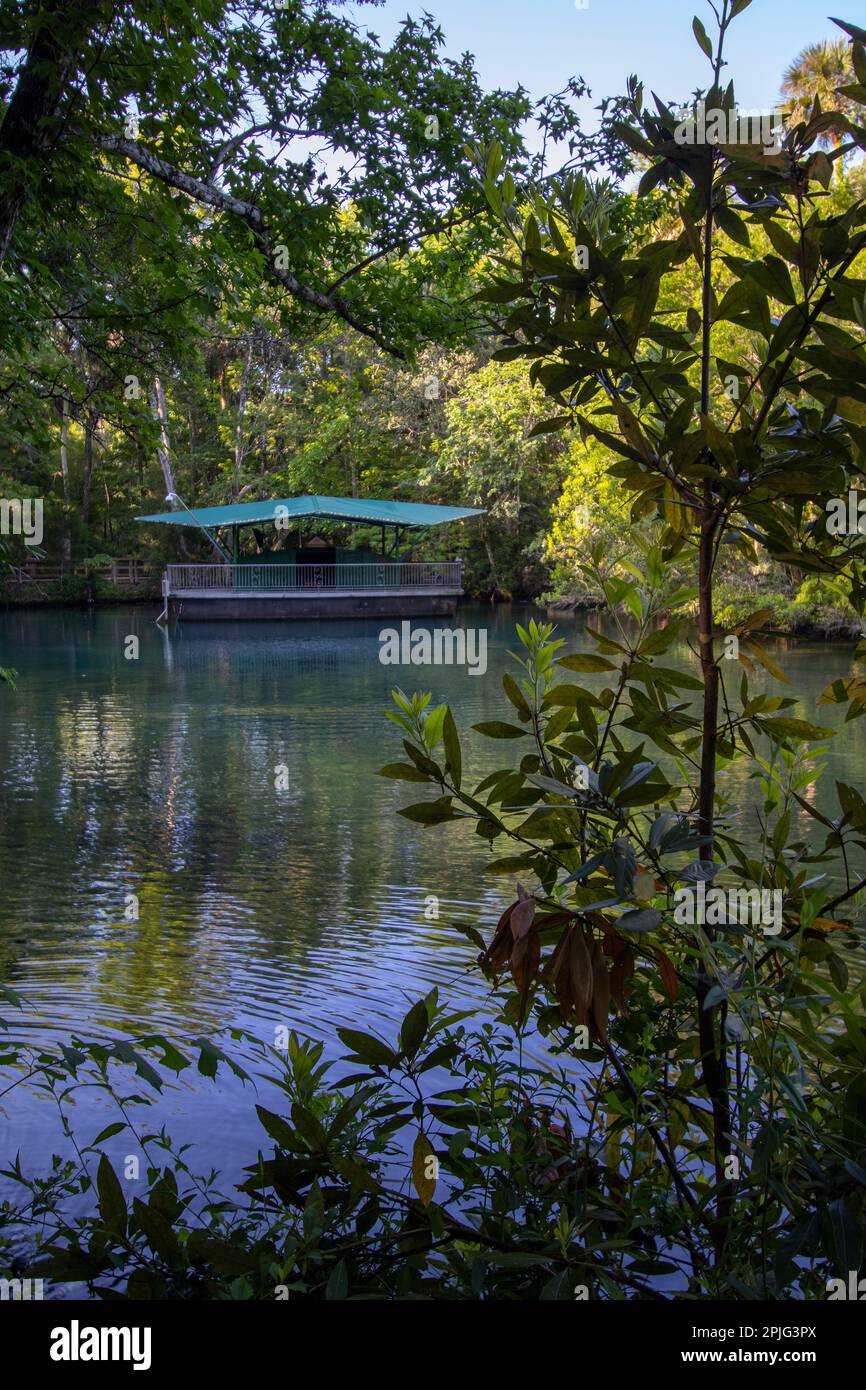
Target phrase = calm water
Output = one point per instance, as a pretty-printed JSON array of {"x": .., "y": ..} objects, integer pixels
[{"x": 258, "y": 907}]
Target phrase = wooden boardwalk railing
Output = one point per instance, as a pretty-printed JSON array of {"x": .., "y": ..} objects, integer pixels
[{"x": 34, "y": 573}]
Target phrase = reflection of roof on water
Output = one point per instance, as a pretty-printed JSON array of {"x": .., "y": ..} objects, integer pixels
[
  {"x": 282, "y": 647},
  {"x": 357, "y": 509}
]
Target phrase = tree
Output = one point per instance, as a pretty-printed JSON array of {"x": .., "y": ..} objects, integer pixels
[
  {"x": 282, "y": 142},
  {"x": 174, "y": 176},
  {"x": 718, "y": 454},
  {"x": 488, "y": 458},
  {"x": 817, "y": 74}
]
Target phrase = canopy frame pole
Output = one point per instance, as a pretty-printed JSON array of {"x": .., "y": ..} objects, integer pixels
[{"x": 220, "y": 549}]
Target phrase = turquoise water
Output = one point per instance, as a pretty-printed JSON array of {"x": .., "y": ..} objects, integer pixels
[{"x": 259, "y": 907}]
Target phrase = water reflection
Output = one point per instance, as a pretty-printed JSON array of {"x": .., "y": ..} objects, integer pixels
[{"x": 259, "y": 904}]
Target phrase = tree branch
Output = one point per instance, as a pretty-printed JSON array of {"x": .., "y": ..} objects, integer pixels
[{"x": 203, "y": 191}]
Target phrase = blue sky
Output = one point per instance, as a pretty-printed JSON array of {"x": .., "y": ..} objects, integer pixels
[{"x": 540, "y": 43}]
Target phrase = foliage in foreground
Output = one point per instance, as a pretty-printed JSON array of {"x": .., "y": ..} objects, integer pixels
[
  {"x": 732, "y": 1043},
  {"x": 442, "y": 1165},
  {"x": 713, "y": 1126}
]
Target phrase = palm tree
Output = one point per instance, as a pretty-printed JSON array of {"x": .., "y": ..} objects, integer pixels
[{"x": 817, "y": 72}]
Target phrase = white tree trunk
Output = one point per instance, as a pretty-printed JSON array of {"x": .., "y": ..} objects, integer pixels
[{"x": 163, "y": 448}]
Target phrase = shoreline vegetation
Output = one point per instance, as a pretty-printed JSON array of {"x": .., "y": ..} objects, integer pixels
[{"x": 788, "y": 618}]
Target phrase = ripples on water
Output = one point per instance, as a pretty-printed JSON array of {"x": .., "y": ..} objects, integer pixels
[{"x": 258, "y": 908}]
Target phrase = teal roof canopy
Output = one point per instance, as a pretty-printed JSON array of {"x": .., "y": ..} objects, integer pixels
[{"x": 358, "y": 509}]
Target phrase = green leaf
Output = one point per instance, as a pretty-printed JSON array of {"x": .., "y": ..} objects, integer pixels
[
  {"x": 516, "y": 696},
  {"x": 843, "y": 690},
  {"x": 112, "y": 1203},
  {"x": 847, "y": 1238},
  {"x": 158, "y": 1231},
  {"x": 495, "y": 728},
  {"x": 782, "y": 241},
  {"x": 733, "y": 225},
  {"x": 551, "y": 426},
  {"x": 662, "y": 638},
  {"x": 852, "y": 804},
  {"x": 225, "y": 1259},
  {"x": 280, "y": 1131},
  {"x": 782, "y": 727},
  {"x": 423, "y": 1166},
  {"x": 430, "y": 812},
  {"x": 585, "y": 661},
  {"x": 413, "y": 1029},
  {"x": 337, "y": 1286},
  {"x": 108, "y": 1132},
  {"x": 313, "y": 1219},
  {"x": 702, "y": 36},
  {"x": 639, "y": 919},
  {"x": 434, "y": 725},
  {"x": 757, "y": 652},
  {"x": 309, "y": 1127},
  {"x": 403, "y": 772},
  {"x": 368, "y": 1048},
  {"x": 210, "y": 1056},
  {"x": 453, "y": 759}
]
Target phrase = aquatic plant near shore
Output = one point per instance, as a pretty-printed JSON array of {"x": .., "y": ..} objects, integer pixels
[{"x": 441, "y": 1164}]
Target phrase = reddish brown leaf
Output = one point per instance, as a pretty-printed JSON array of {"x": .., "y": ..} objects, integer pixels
[
  {"x": 529, "y": 948},
  {"x": 516, "y": 961},
  {"x": 522, "y": 916},
  {"x": 668, "y": 975},
  {"x": 496, "y": 955},
  {"x": 580, "y": 975},
  {"x": 620, "y": 977},
  {"x": 557, "y": 973},
  {"x": 556, "y": 959}
]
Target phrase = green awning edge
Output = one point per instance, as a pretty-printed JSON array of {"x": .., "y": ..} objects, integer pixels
[{"x": 358, "y": 509}]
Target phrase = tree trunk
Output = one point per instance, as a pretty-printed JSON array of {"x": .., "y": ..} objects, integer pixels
[
  {"x": 66, "y": 542},
  {"x": 239, "y": 420},
  {"x": 714, "y": 1057},
  {"x": 495, "y": 589},
  {"x": 163, "y": 448},
  {"x": 31, "y": 124},
  {"x": 107, "y": 528},
  {"x": 714, "y": 1060},
  {"x": 90, "y": 423}
]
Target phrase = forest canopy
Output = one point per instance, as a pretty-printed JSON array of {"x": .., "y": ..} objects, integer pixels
[{"x": 242, "y": 253}]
